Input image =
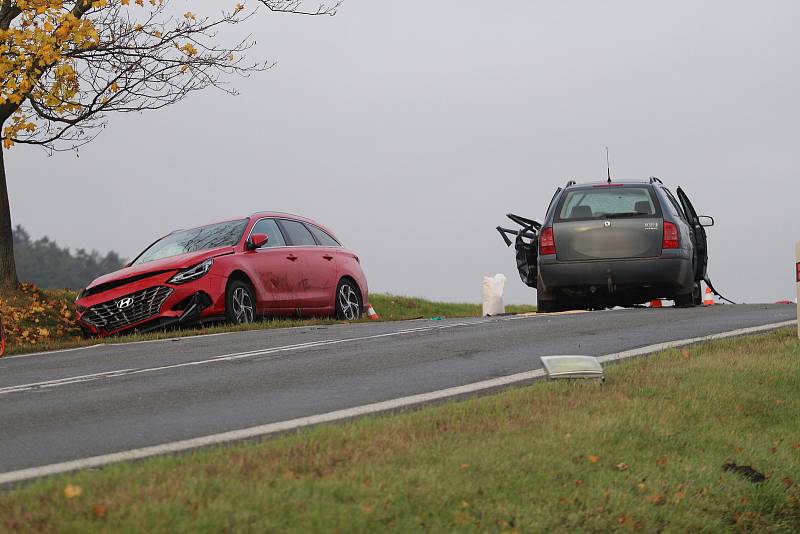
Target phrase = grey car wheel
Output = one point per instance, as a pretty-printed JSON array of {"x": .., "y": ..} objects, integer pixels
[
  {"x": 684, "y": 301},
  {"x": 549, "y": 305},
  {"x": 697, "y": 294},
  {"x": 695, "y": 298}
]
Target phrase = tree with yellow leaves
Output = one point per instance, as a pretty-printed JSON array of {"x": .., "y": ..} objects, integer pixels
[{"x": 66, "y": 64}]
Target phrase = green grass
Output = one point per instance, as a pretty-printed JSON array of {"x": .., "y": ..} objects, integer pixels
[
  {"x": 643, "y": 452},
  {"x": 389, "y": 307},
  {"x": 394, "y": 307}
]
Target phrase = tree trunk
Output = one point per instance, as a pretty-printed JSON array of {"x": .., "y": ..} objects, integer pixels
[{"x": 8, "y": 270}]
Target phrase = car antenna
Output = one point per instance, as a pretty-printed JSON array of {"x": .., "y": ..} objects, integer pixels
[{"x": 608, "y": 166}]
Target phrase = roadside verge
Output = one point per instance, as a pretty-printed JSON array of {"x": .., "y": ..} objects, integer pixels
[
  {"x": 349, "y": 413},
  {"x": 698, "y": 438}
]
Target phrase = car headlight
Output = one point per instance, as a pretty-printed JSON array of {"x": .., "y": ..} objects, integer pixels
[{"x": 192, "y": 273}]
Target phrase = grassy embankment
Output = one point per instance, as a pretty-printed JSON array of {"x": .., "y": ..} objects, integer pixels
[
  {"x": 643, "y": 452},
  {"x": 37, "y": 320}
]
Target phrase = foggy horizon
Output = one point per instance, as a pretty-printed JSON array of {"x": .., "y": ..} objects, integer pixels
[{"x": 412, "y": 129}]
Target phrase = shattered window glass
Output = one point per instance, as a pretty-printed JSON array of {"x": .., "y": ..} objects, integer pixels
[
  {"x": 225, "y": 234},
  {"x": 601, "y": 202}
]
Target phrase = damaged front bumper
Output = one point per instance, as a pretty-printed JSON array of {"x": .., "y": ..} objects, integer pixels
[
  {"x": 148, "y": 305},
  {"x": 190, "y": 315}
]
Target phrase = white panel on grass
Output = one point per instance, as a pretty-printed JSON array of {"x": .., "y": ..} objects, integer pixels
[{"x": 572, "y": 366}]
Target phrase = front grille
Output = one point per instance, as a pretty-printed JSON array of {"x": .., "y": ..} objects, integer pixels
[{"x": 143, "y": 304}]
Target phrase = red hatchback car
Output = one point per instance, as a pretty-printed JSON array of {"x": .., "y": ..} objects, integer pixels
[{"x": 272, "y": 263}]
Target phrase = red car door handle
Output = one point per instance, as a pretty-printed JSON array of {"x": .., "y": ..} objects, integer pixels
[
  {"x": 291, "y": 257},
  {"x": 327, "y": 257}
]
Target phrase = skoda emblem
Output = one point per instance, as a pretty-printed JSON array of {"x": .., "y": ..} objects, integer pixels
[
  {"x": 607, "y": 224},
  {"x": 125, "y": 303}
]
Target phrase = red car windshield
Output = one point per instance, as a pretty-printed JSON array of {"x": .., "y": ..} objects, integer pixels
[{"x": 225, "y": 234}]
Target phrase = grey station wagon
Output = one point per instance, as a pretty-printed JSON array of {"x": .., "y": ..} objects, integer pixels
[{"x": 608, "y": 244}]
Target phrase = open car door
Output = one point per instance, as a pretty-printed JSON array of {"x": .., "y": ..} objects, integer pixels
[
  {"x": 700, "y": 240},
  {"x": 526, "y": 244}
]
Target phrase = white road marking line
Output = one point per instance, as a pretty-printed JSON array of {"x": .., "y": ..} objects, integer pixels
[
  {"x": 63, "y": 381},
  {"x": 223, "y": 358},
  {"x": 181, "y": 338},
  {"x": 338, "y": 415},
  {"x": 73, "y": 349}
]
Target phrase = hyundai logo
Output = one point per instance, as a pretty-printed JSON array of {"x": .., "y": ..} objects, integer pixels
[{"x": 124, "y": 304}]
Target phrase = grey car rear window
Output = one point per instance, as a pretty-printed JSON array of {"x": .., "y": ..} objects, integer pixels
[{"x": 604, "y": 201}]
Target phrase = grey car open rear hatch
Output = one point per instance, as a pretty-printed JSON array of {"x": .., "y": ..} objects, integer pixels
[
  {"x": 608, "y": 222},
  {"x": 608, "y": 239}
]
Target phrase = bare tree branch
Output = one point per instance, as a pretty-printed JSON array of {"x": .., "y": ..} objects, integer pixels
[
  {"x": 295, "y": 6},
  {"x": 141, "y": 59}
]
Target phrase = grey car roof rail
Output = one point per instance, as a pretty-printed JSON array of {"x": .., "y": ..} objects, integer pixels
[{"x": 655, "y": 179}]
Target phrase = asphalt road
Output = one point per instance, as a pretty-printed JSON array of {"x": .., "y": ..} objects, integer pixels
[{"x": 76, "y": 404}]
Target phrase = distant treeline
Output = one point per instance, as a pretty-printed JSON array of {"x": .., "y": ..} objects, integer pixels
[{"x": 45, "y": 264}]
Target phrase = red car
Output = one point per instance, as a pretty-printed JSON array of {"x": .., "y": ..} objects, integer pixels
[{"x": 266, "y": 264}]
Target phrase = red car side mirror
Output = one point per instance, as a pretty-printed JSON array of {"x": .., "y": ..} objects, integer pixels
[{"x": 257, "y": 241}]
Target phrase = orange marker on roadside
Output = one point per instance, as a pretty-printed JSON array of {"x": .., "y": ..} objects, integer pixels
[
  {"x": 371, "y": 313},
  {"x": 709, "y": 298}
]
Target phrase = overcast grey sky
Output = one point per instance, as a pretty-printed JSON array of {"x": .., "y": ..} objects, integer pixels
[{"x": 411, "y": 128}]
